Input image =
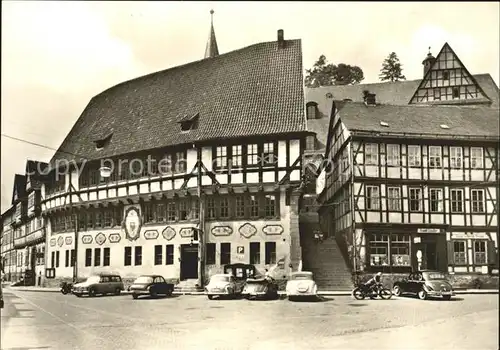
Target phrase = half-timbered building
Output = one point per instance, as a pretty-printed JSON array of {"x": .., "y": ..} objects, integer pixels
[
  {"x": 204, "y": 165},
  {"x": 411, "y": 180}
]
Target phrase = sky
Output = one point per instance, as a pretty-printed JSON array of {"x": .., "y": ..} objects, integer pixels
[{"x": 57, "y": 55}]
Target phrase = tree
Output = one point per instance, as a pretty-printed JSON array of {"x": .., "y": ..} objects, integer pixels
[
  {"x": 392, "y": 69},
  {"x": 326, "y": 74}
]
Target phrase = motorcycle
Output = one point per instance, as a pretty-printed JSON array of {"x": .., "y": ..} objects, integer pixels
[
  {"x": 66, "y": 288},
  {"x": 378, "y": 290}
]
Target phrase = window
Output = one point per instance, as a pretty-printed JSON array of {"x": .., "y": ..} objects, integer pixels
[
  {"x": 97, "y": 257},
  {"x": 415, "y": 199},
  {"x": 224, "y": 207},
  {"x": 149, "y": 212},
  {"x": 393, "y": 198},
  {"x": 73, "y": 257},
  {"x": 57, "y": 258},
  {"x": 169, "y": 254},
  {"x": 240, "y": 206},
  {"x": 183, "y": 213},
  {"x": 158, "y": 254},
  {"x": 476, "y": 157},
  {"x": 210, "y": 257},
  {"x": 446, "y": 75},
  {"x": 237, "y": 156},
  {"x": 221, "y": 157},
  {"x": 195, "y": 211},
  {"x": 457, "y": 197},
  {"x": 138, "y": 256},
  {"x": 171, "y": 214},
  {"x": 371, "y": 153},
  {"x": 180, "y": 162},
  {"x": 165, "y": 165},
  {"x": 436, "y": 199},
  {"x": 270, "y": 205},
  {"x": 252, "y": 154},
  {"x": 106, "y": 257},
  {"x": 400, "y": 250},
  {"x": 372, "y": 197},
  {"x": 435, "y": 156},
  {"x": 311, "y": 110},
  {"x": 270, "y": 253},
  {"x": 456, "y": 157},
  {"x": 108, "y": 218},
  {"x": 66, "y": 259},
  {"x": 479, "y": 252},
  {"x": 455, "y": 93},
  {"x": 88, "y": 257},
  {"x": 225, "y": 253},
  {"x": 477, "y": 201},
  {"x": 393, "y": 155},
  {"x": 379, "y": 249},
  {"x": 254, "y": 206},
  {"x": 459, "y": 253},
  {"x": 98, "y": 219},
  {"x": 254, "y": 253},
  {"x": 437, "y": 94},
  {"x": 160, "y": 212},
  {"x": 210, "y": 208},
  {"x": 128, "y": 256},
  {"x": 52, "y": 260},
  {"x": 268, "y": 157}
]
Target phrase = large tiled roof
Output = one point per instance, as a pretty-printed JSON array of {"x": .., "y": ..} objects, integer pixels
[
  {"x": 417, "y": 120},
  {"x": 395, "y": 93},
  {"x": 257, "y": 90}
]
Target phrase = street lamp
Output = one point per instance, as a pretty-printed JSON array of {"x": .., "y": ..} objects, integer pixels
[{"x": 105, "y": 172}]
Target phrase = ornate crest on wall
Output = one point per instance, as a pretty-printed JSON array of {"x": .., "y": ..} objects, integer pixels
[
  {"x": 114, "y": 238},
  {"x": 273, "y": 230},
  {"x": 69, "y": 240},
  {"x": 60, "y": 241},
  {"x": 168, "y": 233},
  {"x": 222, "y": 231},
  {"x": 87, "y": 239},
  {"x": 52, "y": 242},
  {"x": 186, "y": 232},
  {"x": 247, "y": 230},
  {"x": 100, "y": 238},
  {"x": 151, "y": 234},
  {"x": 132, "y": 222}
]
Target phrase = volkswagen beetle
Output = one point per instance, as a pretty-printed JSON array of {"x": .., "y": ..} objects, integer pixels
[
  {"x": 301, "y": 284},
  {"x": 223, "y": 284}
]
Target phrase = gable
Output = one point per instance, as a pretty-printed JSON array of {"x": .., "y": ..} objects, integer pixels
[
  {"x": 448, "y": 82},
  {"x": 14, "y": 195}
]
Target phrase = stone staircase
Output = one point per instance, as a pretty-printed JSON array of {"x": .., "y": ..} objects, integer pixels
[{"x": 188, "y": 286}]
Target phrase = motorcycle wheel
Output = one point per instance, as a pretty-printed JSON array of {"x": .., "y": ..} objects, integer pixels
[
  {"x": 64, "y": 291},
  {"x": 385, "y": 293},
  {"x": 358, "y": 294}
]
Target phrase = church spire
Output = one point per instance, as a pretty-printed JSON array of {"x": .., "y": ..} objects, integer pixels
[{"x": 211, "y": 50}]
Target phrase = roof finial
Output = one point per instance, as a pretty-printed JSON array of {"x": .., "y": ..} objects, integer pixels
[
  {"x": 211, "y": 49},
  {"x": 430, "y": 50}
]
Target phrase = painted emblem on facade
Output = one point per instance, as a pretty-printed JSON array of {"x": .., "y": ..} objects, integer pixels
[
  {"x": 69, "y": 240},
  {"x": 247, "y": 230},
  {"x": 60, "y": 241},
  {"x": 273, "y": 230},
  {"x": 132, "y": 223},
  {"x": 168, "y": 233},
  {"x": 186, "y": 232},
  {"x": 114, "y": 238},
  {"x": 222, "y": 231},
  {"x": 52, "y": 242},
  {"x": 100, "y": 238},
  {"x": 87, "y": 239},
  {"x": 151, "y": 234}
]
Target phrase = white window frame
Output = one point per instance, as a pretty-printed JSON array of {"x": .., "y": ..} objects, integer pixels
[
  {"x": 372, "y": 197},
  {"x": 476, "y": 157},
  {"x": 415, "y": 196},
  {"x": 456, "y": 157},
  {"x": 477, "y": 205},
  {"x": 371, "y": 153},
  {"x": 393, "y": 198},
  {"x": 236, "y": 156},
  {"x": 480, "y": 253},
  {"x": 414, "y": 155},
  {"x": 435, "y": 154},
  {"x": 393, "y": 155},
  {"x": 456, "y": 200},
  {"x": 221, "y": 157},
  {"x": 439, "y": 199}
]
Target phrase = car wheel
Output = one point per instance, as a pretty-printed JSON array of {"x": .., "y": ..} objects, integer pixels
[
  {"x": 118, "y": 291},
  {"x": 396, "y": 290},
  {"x": 169, "y": 293},
  {"x": 447, "y": 297},
  {"x": 153, "y": 294},
  {"x": 210, "y": 297},
  {"x": 92, "y": 292},
  {"x": 135, "y": 296},
  {"x": 422, "y": 294}
]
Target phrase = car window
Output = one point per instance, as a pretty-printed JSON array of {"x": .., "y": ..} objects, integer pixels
[
  {"x": 410, "y": 277},
  {"x": 418, "y": 276},
  {"x": 104, "y": 279},
  {"x": 239, "y": 272},
  {"x": 159, "y": 279}
]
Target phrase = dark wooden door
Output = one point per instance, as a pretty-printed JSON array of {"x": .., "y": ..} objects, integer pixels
[{"x": 189, "y": 261}]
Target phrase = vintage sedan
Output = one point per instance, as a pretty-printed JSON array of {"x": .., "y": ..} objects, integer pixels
[
  {"x": 152, "y": 285},
  {"x": 424, "y": 284},
  {"x": 260, "y": 288},
  {"x": 223, "y": 285},
  {"x": 102, "y": 283},
  {"x": 301, "y": 284}
]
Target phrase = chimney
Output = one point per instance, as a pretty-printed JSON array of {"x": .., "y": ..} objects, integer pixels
[
  {"x": 370, "y": 99},
  {"x": 281, "y": 39}
]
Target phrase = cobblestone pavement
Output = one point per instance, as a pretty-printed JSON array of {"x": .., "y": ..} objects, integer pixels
[{"x": 32, "y": 320}]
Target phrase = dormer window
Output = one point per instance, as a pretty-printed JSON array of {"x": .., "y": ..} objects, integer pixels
[
  {"x": 312, "y": 110},
  {"x": 102, "y": 141},
  {"x": 189, "y": 122}
]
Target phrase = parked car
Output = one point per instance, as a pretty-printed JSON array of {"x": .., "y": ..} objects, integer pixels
[
  {"x": 152, "y": 285},
  {"x": 424, "y": 284},
  {"x": 260, "y": 288},
  {"x": 99, "y": 284},
  {"x": 301, "y": 284},
  {"x": 223, "y": 284}
]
